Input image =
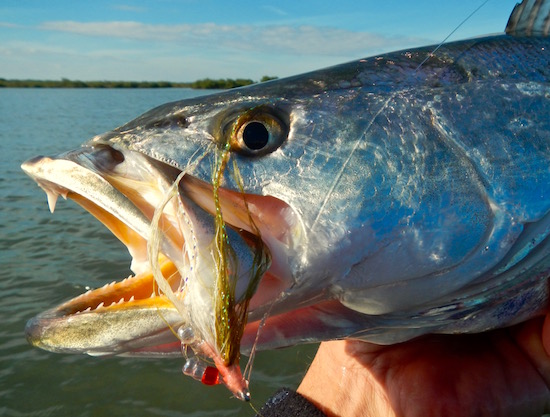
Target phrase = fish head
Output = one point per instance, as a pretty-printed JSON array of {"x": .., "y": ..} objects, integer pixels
[
  {"x": 303, "y": 210},
  {"x": 369, "y": 200},
  {"x": 218, "y": 203}
]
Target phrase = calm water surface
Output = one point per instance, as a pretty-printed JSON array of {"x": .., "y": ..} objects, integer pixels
[{"x": 45, "y": 259}]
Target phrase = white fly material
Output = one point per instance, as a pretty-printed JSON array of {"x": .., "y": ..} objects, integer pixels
[
  {"x": 194, "y": 297},
  {"x": 153, "y": 246},
  {"x": 197, "y": 292}
]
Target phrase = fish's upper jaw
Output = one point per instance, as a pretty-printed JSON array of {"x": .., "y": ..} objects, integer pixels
[{"x": 78, "y": 325}]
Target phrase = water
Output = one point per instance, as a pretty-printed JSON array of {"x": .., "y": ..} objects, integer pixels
[{"x": 45, "y": 259}]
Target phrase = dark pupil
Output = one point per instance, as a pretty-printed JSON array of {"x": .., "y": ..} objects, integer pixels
[{"x": 255, "y": 136}]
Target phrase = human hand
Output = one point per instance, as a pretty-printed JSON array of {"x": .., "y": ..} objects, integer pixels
[{"x": 505, "y": 372}]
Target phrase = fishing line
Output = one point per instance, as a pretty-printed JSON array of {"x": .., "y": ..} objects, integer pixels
[
  {"x": 431, "y": 54},
  {"x": 340, "y": 173},
  {"x": 248, "y": 368},
  {"x": 344, "y": 166},
  {"x": 255, "y": 409}
]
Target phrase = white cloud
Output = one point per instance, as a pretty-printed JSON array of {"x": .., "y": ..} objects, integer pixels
[
  {"x": 276, "y": 39},
  {"x": 133, "y": 50}
]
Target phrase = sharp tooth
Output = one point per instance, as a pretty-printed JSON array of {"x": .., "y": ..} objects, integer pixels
[
  {"x": 113, "y": 283},
  {"x": 100, "y": 305},
  {"x": 131, "y": 299},
  {"x": 152, "y": 295},
  {"x": 88, "y": 309},
  {"x": 112, "y": 304},
  {"x": 52, "y": 199}
]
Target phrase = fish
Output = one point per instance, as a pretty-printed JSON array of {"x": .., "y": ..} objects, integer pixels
[{"x": 383, "y": 199}]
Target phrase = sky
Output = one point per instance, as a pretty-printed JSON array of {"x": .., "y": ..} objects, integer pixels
[{"x": 186, "y": 40}]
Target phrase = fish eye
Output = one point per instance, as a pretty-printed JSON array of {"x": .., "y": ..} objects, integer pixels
[
  {"x": 258, "y": 132},
  {"x": 255, "y": 135}
]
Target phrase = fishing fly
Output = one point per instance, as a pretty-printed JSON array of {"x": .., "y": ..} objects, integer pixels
[{"x": 217, "y": 315}]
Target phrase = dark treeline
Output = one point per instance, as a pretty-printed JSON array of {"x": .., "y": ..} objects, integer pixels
[{"x": 205, "y": 83}]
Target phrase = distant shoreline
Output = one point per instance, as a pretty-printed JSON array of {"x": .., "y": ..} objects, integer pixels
[{"x": 206, "y": 83}]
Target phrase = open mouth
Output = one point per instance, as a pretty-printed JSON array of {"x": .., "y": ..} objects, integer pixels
[{"x": 170, "y": 222}]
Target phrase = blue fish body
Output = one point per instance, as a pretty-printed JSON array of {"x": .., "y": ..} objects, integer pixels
[{"x": 382, "y": 199}]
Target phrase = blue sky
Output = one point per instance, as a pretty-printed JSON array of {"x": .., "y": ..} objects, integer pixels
[{"x": 184, "y": 40}]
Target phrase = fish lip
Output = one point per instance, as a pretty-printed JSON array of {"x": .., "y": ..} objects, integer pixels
[{"x": 44, "y": 329}]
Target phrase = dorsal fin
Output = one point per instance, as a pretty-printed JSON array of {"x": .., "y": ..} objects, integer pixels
[{"x": 530, "y": 18}]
